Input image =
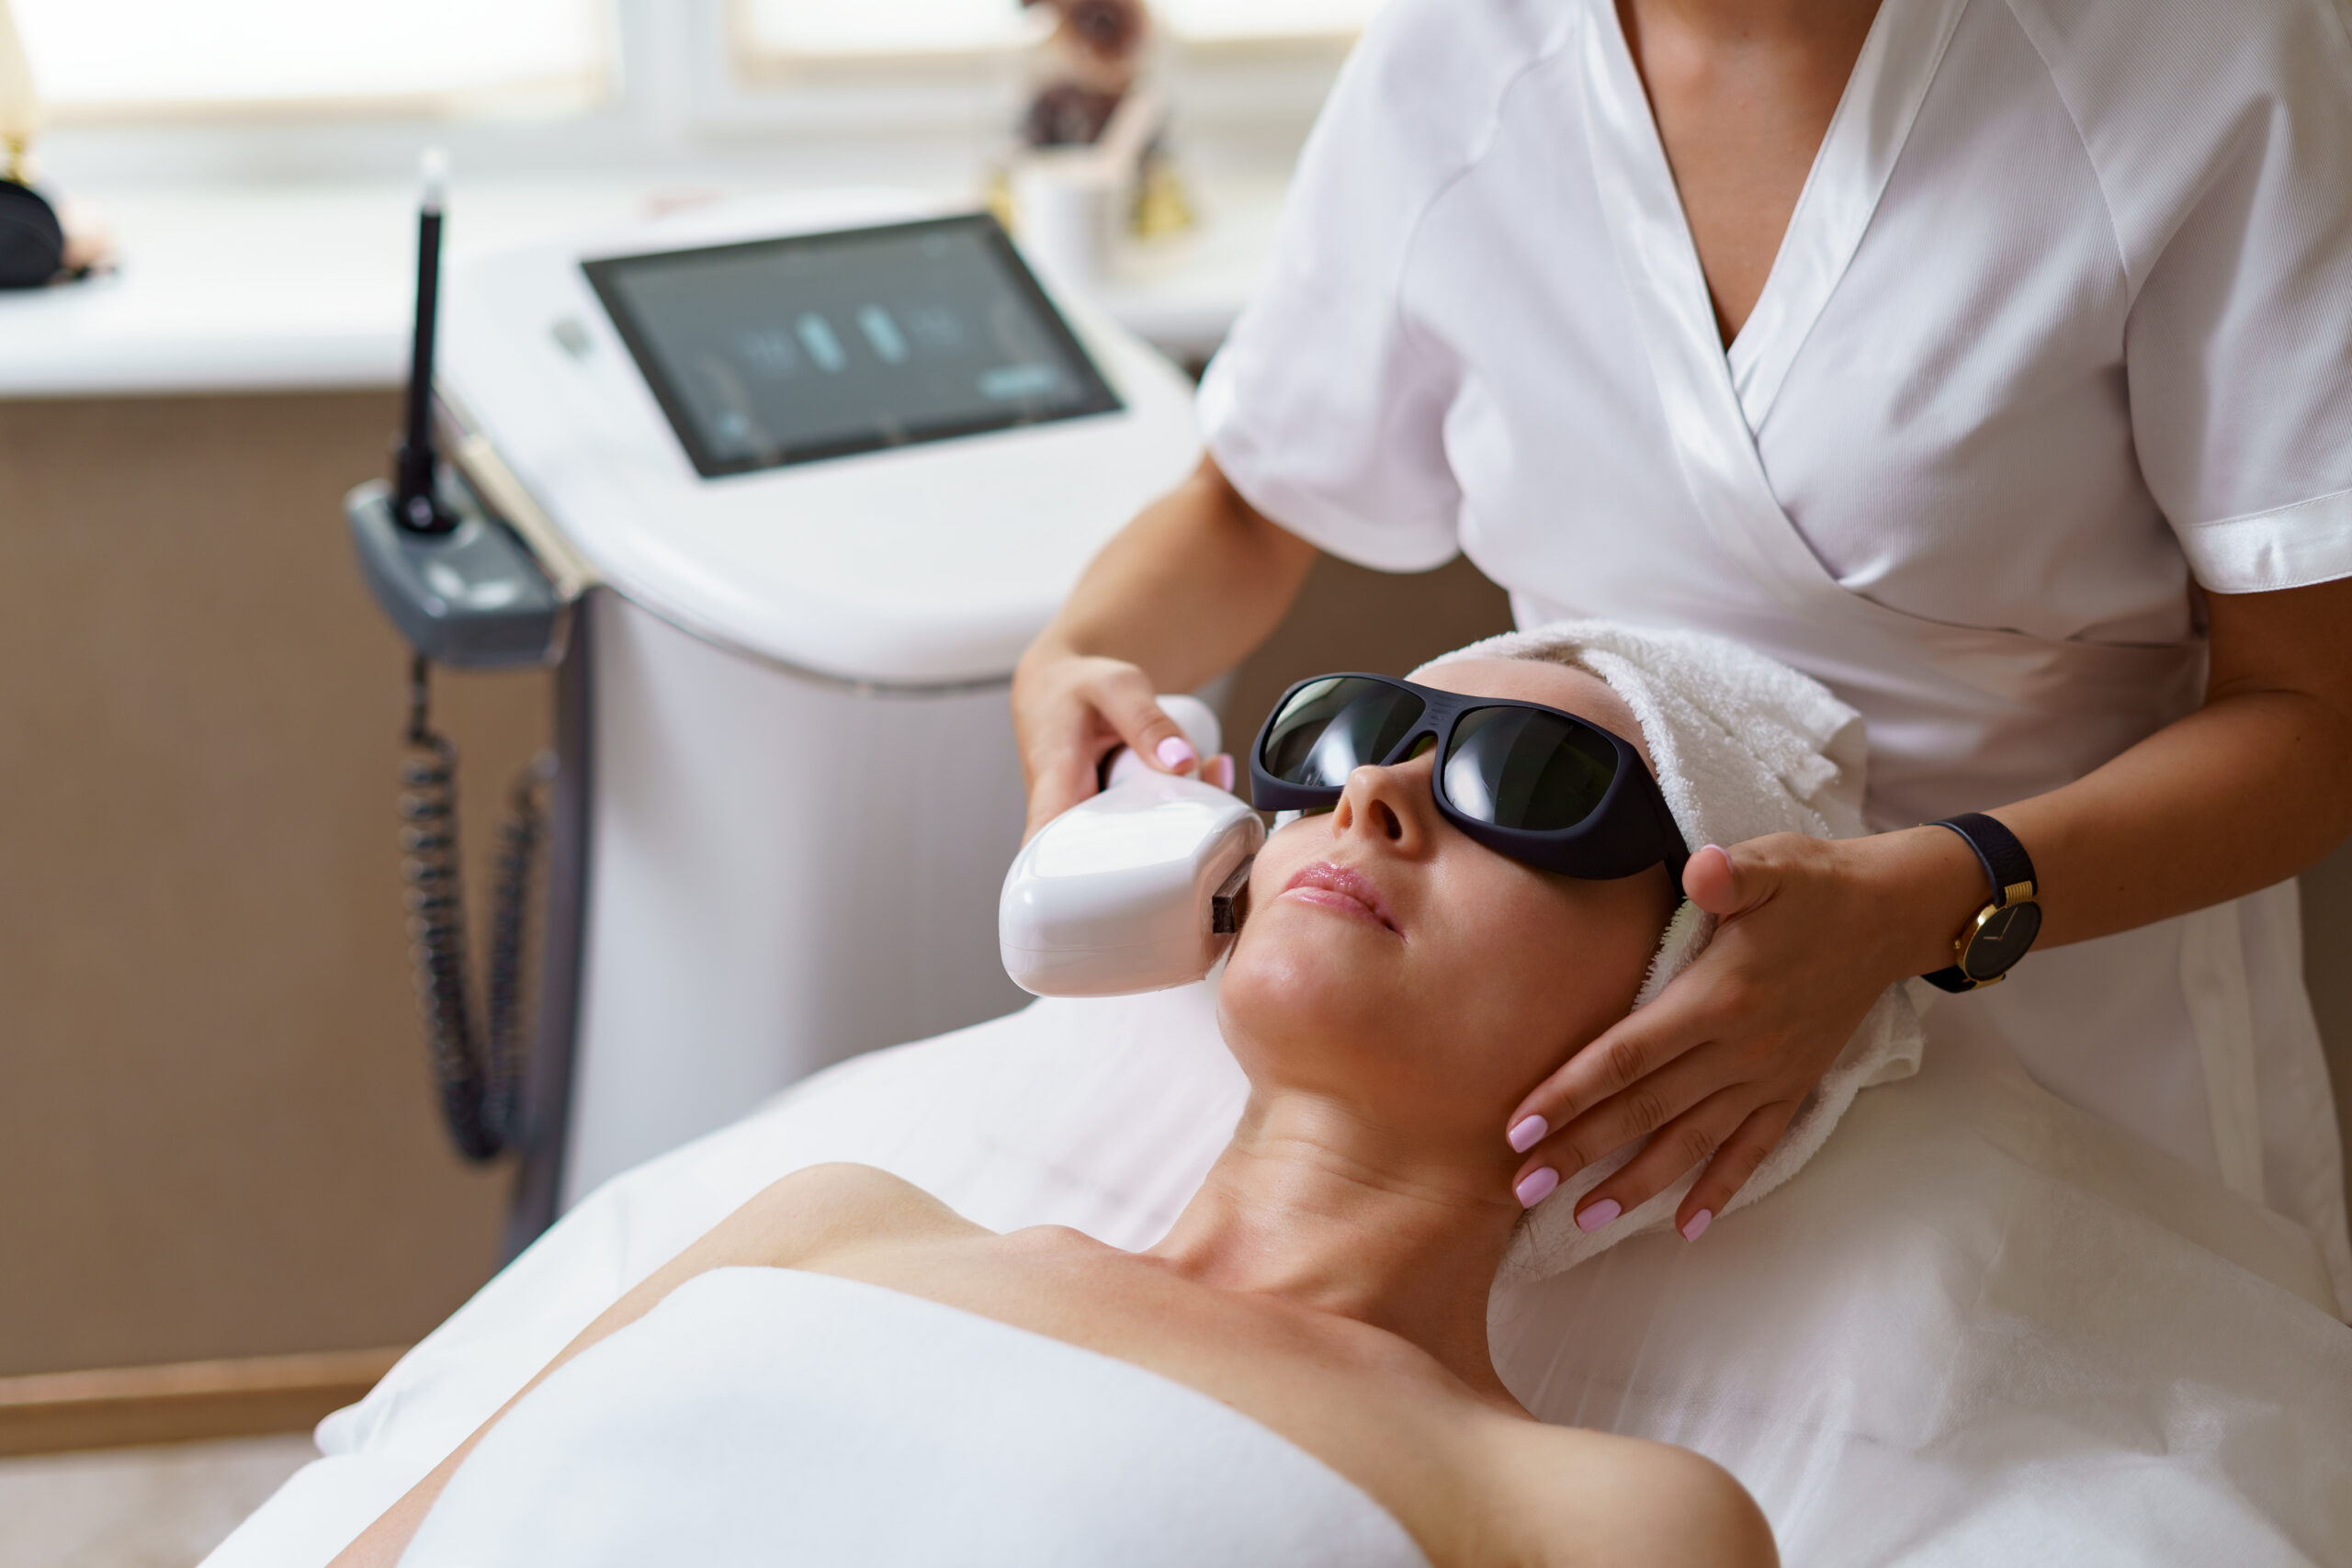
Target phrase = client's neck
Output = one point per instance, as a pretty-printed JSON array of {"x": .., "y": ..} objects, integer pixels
[{"x": 1316, "y": 1204}]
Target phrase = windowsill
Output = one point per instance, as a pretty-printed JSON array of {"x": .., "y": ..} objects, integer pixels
[{"x": 297, "y": 287}]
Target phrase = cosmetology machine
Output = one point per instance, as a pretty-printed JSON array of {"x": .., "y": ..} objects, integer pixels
[{"x": 781, "y": 490}]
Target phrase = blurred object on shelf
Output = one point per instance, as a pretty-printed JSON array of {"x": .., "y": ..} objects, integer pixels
[
  {"x": 1164, "y": 207},
  {"x": 32, "y": 241},
  {"x": 1091, "y": 61},
  {"x": 1091, "y": 171},
  {"x": 996, "y": 195},
  {"x": 40, "y": 244},
  {"x": 20, "y": 112},
  {"x": 89, "y": 239},
  {"x": 1072, "y": 205},
  {"x": 1067, "y": 115}
]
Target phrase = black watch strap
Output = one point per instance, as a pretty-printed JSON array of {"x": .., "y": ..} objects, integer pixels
[{"x": 2006, "y": 867}]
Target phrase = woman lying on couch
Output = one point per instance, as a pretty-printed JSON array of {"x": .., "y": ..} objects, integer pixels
[{"x": 845, "y": 1371}]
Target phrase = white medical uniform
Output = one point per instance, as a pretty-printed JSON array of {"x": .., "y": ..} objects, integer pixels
[{"x": 2061, "y": 330}]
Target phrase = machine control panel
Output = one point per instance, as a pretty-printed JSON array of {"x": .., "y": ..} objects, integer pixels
[{"x": 789, "y": 350}]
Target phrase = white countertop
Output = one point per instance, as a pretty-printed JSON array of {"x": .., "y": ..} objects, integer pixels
[{"x": 293, "y": 287}]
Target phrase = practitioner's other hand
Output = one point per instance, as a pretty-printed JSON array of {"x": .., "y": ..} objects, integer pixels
[
  {"x": 1712, "y": 1071},
  {"x": 1072, "y": 710}
]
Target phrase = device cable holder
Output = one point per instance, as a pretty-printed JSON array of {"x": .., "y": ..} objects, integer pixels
[{"x": 476, "y": 1057}]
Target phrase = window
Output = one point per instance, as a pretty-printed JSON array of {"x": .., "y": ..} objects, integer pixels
[
  {"x": 768, "y": 30},
  {"x": 1204, "y": 21},
  {"x": 166, "y": 92},
  {"x": 107, "y": 59},
  {"x": 778, "y": 29}
]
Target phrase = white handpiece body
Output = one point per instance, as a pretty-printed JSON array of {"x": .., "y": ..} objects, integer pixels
[{"x": 1119, "y": 894}]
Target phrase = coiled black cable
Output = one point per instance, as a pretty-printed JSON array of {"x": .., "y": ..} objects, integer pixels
[{"x": 476, "y": 1070}]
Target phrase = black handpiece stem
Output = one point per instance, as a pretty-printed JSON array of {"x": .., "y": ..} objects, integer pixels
[{"x": 416, "y": 499}]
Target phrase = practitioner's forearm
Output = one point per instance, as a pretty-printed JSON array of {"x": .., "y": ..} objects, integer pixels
[
  {"x": 2251, "y": 789},
  {"x": 2244, "y": 793},
  {"x": 1198, "y": 579},
  {"x": 2247, "y": 792}
]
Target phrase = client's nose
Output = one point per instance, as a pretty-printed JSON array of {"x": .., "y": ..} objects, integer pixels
[{"x": 1389, "y": 804}]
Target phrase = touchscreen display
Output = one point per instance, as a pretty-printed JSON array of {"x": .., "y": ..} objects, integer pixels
[{"x": 817, "y": 346}]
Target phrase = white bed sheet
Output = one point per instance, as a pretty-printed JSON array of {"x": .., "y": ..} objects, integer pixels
[{"x": 1980, "y": 1327}]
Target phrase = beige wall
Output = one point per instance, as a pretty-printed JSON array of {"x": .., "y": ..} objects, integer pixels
[
  {"x": 215, "y": 1138},
  {"x": 216, "y": 1133},
  {"x": 1350, "y": 618}
]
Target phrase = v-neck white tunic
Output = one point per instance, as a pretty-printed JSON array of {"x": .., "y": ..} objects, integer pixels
[{"x": 2060, "y": 331}]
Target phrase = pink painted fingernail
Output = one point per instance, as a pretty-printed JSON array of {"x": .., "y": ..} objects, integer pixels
[
  {"x": 1598, "y": 1215},
  {"x": 1526, "y": 1133},
  {"x": 1538, "y": 1185},
  {"x": 1697, "y": 1226},
  {"x": 1174, "y": 752},
  {"x": 1218, "y": 771}
]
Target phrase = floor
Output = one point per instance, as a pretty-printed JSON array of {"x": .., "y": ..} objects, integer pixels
[{"x": 162, "y": 1508}]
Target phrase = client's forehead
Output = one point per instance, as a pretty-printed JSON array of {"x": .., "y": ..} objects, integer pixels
[{"x": 1530, "y": 680}]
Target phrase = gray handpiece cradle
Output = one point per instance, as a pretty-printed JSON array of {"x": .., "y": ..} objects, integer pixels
[{"x": 470, "y": 597}]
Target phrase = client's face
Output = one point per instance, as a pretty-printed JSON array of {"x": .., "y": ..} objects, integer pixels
[{"x": 1392, "y": 961}]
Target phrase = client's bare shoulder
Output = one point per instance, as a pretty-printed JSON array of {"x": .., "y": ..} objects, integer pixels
[
  {"x": 827, "y": 1212},
  {"x": 1592, "y": 1498},
  {"x": 824, "y": 1210}
]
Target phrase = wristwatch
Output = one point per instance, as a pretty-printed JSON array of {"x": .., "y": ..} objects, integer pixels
[{"x": 1989, "y": 946}]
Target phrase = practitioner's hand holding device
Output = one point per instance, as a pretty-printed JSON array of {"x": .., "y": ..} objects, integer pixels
[
  {"x": 1080, "y": 716},
  {"x": 1139, "y": 886},
  {"x": 1198, "y": 579}
]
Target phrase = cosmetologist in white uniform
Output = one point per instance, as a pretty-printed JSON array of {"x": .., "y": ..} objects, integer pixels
[{"x": 2013, "y": 404}]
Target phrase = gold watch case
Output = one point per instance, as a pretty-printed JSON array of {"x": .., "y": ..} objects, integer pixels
[{"x": 2001, "y": 935}]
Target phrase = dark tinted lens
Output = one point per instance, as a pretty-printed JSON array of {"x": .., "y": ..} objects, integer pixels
[
  {"x": 1330, "y": 729},
  {"x": 1516, "y": 768}
]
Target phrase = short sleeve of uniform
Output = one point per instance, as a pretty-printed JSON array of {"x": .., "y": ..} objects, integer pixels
[
  {"x": 1323, "y": 411},
  {"x": 2239, "y": 348}
]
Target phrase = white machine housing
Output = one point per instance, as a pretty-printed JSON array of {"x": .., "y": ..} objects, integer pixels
[
  {"x": 803, "y": 786},
  {"x": 923, "y": 566},
  {"x": 1117, "y": 894}
]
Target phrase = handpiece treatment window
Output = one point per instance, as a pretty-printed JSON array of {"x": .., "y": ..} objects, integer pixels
[{"x": 817, "y": 345}]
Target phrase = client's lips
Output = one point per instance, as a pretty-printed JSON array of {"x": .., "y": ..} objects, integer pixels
[{"x": 1338, "y": 888}]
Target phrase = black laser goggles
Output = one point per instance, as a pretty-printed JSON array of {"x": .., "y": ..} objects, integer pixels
[{"x": 1544, "y": 787}]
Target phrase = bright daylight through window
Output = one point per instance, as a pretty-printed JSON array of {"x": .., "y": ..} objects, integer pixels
[
  {"x": 785, "y": 28},
  {"x": 109, "y": 57}
]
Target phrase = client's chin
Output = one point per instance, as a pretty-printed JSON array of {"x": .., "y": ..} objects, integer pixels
[{"x": 1309, "y": 983}]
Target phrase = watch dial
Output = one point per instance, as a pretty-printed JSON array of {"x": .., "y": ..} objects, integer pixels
[{"x": 2001, "y": 941}]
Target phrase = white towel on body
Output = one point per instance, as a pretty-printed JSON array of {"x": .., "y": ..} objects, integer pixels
[
  {"x": 767, "y": 1415},
  {"x": 1743, "y": 746}
]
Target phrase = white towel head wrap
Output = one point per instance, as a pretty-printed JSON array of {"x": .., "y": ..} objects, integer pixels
[{"x": 1743, "y": 746}]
